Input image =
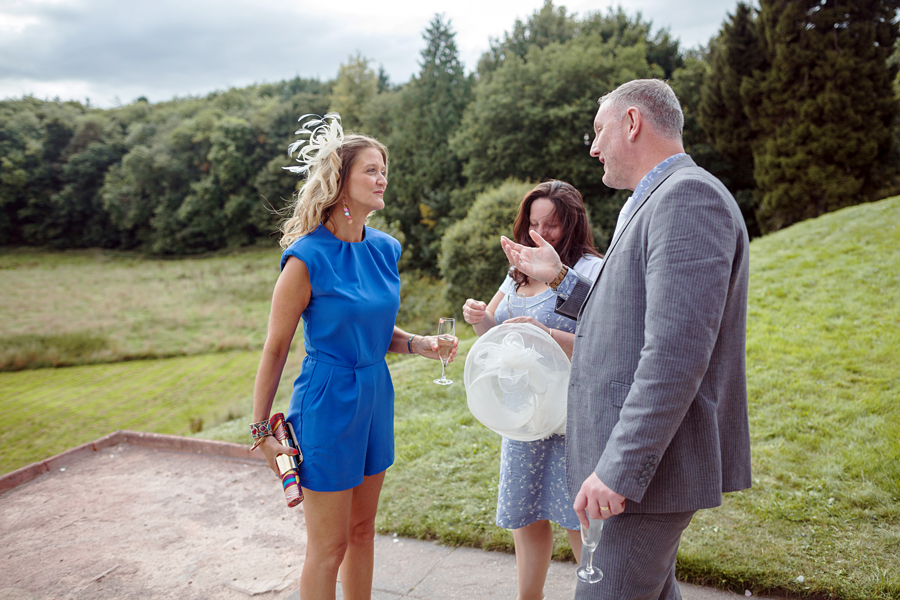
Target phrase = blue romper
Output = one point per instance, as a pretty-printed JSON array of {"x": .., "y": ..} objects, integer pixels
[{"x": 342, "y": 408}]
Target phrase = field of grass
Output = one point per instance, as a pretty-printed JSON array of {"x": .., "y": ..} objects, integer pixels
[
  {"x": 823, "y": 360},
  {"x": 85, "y": 307},
  {"x": 88, "y": 307},
  {"x": 46, "y": 411},
  {"x": 823, "y": 517}
]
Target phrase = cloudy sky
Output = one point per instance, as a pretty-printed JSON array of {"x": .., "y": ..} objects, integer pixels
[{"x": 113, "y": 51}]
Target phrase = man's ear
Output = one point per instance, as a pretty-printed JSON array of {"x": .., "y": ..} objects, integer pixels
[{"x": 633, "y": 122}]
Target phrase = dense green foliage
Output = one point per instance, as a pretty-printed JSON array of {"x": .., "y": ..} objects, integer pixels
[
  {"x": 532, "y": 115},
  {"x": 734, "y": 56},
  {"x": 425, "y": 171},
  {"x": 793, "y": 106},
  {"x": 179, "y": 177},
  {"x": 472, "y": 263},
  {"x": 824, "y": 107}
]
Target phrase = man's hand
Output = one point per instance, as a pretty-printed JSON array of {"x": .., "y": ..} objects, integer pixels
[
  {"x": 541, "y": 263},
  {"x": 599, "y": 501}
]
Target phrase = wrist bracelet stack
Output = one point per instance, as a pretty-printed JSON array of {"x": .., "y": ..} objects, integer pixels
[{"x": 259, "y": 431}]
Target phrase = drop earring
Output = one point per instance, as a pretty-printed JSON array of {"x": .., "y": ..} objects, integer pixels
[{"x": 347, "y": 212}]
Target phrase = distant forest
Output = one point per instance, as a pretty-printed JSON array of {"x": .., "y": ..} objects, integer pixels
[{"x": 793, "y": 106}]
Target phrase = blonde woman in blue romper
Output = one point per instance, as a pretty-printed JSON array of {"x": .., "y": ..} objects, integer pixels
[
  {"x": 340, "y": 277},
  {"x": 532, "y": 490}
]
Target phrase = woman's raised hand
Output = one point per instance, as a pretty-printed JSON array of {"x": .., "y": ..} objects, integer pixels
[
  {"x": 541, "y": 263},
  {"x": 474, "y": 311}
]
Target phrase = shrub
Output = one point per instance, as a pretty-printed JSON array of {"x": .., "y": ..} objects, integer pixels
[{"x": 472, "y": 262}]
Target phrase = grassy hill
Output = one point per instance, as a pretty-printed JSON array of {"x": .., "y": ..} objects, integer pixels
[{"x": 823, "y": 358}]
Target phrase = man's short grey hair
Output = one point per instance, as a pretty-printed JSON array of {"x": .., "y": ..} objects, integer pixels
[{"x": 655, "y": 99}]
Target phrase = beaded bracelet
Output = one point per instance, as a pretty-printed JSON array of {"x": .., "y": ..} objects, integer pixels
[
  {"x": 260, "y": 429},
  {"x": 409, "y": 343}
]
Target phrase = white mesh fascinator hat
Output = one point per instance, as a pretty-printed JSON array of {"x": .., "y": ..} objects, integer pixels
[{"x": 517, "y": 379}]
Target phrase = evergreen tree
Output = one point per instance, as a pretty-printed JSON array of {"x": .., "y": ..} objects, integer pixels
[
  {"x": 734, "y": 56},
  {"x": 617, "y": 27},
  {"x": 825, "y": 107},
  {"x": 545, "y": 26},
  {"x": 532, "y": 118},
  {"x": 424, "y": 170},
  {"x": 356, "y": 84}
]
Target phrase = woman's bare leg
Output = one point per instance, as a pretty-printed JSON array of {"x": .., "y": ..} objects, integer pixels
[
  {"x": 359, "y": 560},
  {"x": 534, "y": 547},
  {"x": 327, "y": 516},
  {"x": 340, "y": 537}
]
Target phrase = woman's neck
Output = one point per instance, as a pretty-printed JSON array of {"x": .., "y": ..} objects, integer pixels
[{"x": 343, "y": 229}]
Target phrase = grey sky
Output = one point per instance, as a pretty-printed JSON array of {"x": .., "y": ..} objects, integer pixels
[{"x": 114, "y": 51}]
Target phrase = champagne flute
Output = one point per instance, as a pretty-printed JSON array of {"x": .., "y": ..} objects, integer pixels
[
  {"x": 446, "y": 335},
  {"x": 590, "y": 538},
  {"x": 515, "y": 305}
]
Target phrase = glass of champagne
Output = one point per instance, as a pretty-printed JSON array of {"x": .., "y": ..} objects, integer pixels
[
  {"x": 516, "y": 305},
  {"x": 446, "y": 335},
  {"x": 590, "y": 537}
]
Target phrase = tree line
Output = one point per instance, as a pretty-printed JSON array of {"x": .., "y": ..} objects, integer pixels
[{"x": 793, "y": 105}]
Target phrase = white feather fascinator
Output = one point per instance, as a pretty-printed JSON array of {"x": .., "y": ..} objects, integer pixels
[{"x": 324, "y": 135}]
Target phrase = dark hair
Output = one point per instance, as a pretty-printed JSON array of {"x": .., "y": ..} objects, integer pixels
[{"x": 568, "y": 209}]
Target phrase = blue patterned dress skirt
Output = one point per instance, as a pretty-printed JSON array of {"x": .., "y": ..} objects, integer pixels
[
  {"x": 533, "y": 474},
  {"x": 342, "y": 407},
  {"x": 533, "y": 484}
]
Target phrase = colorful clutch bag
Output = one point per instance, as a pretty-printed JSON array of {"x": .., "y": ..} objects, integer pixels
[{"x": 288, "y": 465}]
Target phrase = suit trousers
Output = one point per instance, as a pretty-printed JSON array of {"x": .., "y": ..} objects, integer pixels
[{"x": 637, "y": 556}]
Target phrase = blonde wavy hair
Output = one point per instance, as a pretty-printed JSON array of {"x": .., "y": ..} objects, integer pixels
[{"x": 322, "y": 191}]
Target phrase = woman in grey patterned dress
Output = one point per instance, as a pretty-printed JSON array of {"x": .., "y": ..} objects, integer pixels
[{"x": 532, "y": 490}]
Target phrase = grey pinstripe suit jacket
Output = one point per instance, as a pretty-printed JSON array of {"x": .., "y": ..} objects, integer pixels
[{"x": 657, "y": 403}]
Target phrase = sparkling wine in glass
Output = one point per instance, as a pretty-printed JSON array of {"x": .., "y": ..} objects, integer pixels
[
  {"x": 446, "y": 337},
  {"x": 590, "y": 538}
]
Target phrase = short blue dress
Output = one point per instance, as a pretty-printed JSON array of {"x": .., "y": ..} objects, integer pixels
[
  {"x": 342, "y": 407},
  {"x": 533, "y": 474}
]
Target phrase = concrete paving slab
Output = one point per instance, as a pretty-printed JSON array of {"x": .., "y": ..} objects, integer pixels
[
  {"x": 402, "y": 564},
  {"x": 469, "y": 573},
  {"x": 132, "y": 519}
]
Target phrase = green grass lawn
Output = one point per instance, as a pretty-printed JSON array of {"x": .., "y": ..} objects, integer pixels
[
  {"x": 823, "y": 356},
  {"x": 46, "y": 411},
  {"x": 83, "y": 307},
  {"x": 92, "y": 306},
  {"x": 823, "y": 360}
]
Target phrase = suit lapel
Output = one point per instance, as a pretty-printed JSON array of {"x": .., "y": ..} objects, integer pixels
[{"x": 679, "y": 163}]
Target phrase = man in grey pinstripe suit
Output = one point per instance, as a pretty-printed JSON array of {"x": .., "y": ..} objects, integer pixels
[{"x": 657, "y": 403}]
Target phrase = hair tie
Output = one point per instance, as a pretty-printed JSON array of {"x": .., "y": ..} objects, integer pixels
[{"x": 326, "y": 135}]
